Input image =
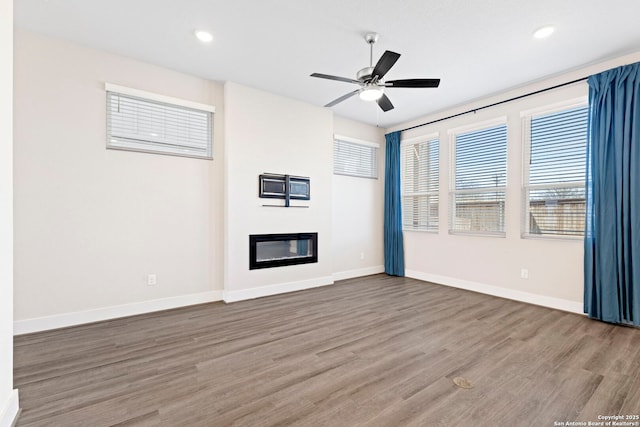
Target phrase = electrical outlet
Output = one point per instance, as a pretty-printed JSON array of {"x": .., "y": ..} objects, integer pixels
[
  {"x": 524, "y": 273},
  {"x": 361, "y": 255},
  {"x": 152, "y": 280}
]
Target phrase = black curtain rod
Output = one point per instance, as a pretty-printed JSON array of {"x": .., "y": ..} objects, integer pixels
[{"x": 497, "y": 103}]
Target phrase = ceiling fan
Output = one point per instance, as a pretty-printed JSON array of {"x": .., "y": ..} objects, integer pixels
[{"x": 370, "y": 80}]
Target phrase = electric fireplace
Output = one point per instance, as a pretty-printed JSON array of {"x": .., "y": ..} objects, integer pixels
[{"x": 278, "y": 250}]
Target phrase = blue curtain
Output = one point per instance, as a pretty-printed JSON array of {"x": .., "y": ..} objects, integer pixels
[
  {"x": 612, "y": 235},
  {"x": 393, "y": 240}
]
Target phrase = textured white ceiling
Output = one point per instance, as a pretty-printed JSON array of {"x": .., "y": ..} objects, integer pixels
[{"x": 477, "y": 48}]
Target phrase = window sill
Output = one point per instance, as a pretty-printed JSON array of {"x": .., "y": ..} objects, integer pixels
[
  {"x": 552, "y": 237},
  {"x": 478, "y": 233},
  {"x": 417, "y": 230}
]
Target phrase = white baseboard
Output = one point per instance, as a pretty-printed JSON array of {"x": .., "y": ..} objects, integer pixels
[
  {"x": 263, "y": 291},
  {"x": 545, "y": 301},
  {"x": 360, "y": 272},
  {"x": 9, "y": 410},
  {"x": 38, "y": 324}
]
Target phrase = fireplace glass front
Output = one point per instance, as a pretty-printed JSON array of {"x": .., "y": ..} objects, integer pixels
[{"x": 278, "y": 250}]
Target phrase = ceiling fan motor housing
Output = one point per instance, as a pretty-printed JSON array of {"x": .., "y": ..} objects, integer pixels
[{"x": 364, "y": 75}]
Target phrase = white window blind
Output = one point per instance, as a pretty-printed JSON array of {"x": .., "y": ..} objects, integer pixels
[
  {"x": 479, "y": 180},
  {"x": 355, "y": 158},
  {"x": 420, "y": 183},
  {"x": 555, "y": 172},
  {"x": 137, "y": 123}
]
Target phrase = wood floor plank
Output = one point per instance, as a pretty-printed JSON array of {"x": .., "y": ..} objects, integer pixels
[{"x": 372, "y": 351}]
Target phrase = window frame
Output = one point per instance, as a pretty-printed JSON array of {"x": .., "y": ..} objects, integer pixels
[
  {"x": 526, "y": 118},
  {"x": 428, "y": 138},
  {"x": 375, "y": 149},
  {"x": 453, "y": 132},
  {"x": 157, "y": 99}
]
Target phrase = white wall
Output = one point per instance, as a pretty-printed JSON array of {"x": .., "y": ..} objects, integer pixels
[
  {"x": 91, "y": 223},
  {"x": 489, "y": 264},
  {"x": 358, "y": 205},
  {"x": 8, "y": 396},
  {"x": 269, "y": 133}
]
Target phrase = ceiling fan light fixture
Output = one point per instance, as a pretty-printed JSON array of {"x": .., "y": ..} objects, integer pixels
[{"x": 371, "y": 93}]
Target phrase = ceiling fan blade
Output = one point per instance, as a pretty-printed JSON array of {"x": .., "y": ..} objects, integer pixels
[
  {"x": 342, "y": 98},
  {"x": 385, "y": 63},
  {"x": 330, "y": 77},
  {"x": 385, "y": 103},
  {"x": 413, "y": 83}
]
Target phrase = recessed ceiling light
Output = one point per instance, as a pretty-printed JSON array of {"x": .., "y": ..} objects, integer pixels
[
  {"x": 203, "y": 36},
  {"x": 543, "y": 32}
]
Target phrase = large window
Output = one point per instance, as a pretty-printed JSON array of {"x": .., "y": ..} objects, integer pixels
[
  {"x": 478, "y": 180},
  {"x": 420, "y": 182},
  {"x": 354, "y": 157},
  {"x": 554, "y": 179},
  {"x": 141, "y": 121}
]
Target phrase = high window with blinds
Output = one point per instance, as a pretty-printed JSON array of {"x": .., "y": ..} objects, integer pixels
[
  {"x": 555, "y": 163},
  {"x": 355, "y": 158},
  {"x": 141, "y": 121},
  {"x": 420, "y": 183},
  {"x": 479, "y": 180}
]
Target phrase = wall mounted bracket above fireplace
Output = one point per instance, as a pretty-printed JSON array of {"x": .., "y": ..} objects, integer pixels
[{"x": 287, "y": 187}]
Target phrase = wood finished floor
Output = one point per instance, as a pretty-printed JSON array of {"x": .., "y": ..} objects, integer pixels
[{"x": 374, "y": 351}]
